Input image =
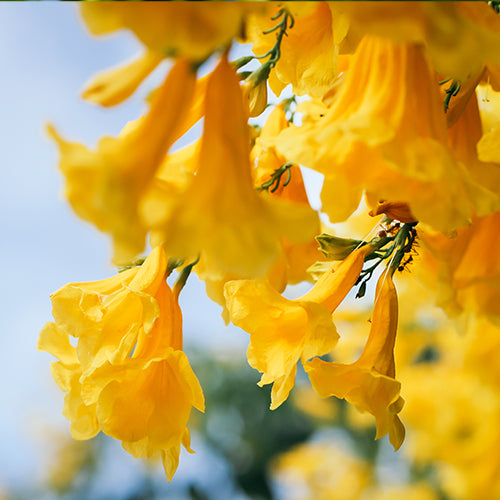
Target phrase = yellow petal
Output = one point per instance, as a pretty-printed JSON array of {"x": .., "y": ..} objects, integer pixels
[
  {"x": 54, "y": 340},
  {"x": 474, "y": 28},
  {"x": 84, "y": 424},
  {"x": 367, "y": 390},
  {"x": 331, "y": 289},
  {"x": 117, "y": 84},
  {"x": 167, "y": 389},
  {"x": 309, "y": 51},
  {"x": 369, "y": 382},
  {"x": 171, "y": 29},
  {"x": 281, "y": 332},
  {"x": 220, "y": 214}
]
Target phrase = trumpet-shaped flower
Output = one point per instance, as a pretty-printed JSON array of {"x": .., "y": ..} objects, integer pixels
[
  {"x": 388, "y": 139},
  {"x": 220, "y": 215},
  {"x": 369, "y": 383},
  {"x": 128, "y": 375},
  {"x": 104, "y": 187},
  {"x": 283, "y": 331}
]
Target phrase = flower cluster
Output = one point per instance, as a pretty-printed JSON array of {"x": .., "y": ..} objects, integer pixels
[{"x": 399, "y": 112}]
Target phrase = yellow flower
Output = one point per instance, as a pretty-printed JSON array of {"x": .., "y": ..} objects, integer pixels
[
  {"x": 128, "y": 375},
  {"x": 170, "y": 29},
  {"x": 369, "y": 383},
  {"x": 309, "y": 51},
  {"x": 388, "y": 139},
  {"x": 282, "y": 331},
  {"x": 177, "y": 172},
  {"x": 220, "y": 215},
  {"x": 460, "y": 37},
  {"x": 104, "y": 187}
]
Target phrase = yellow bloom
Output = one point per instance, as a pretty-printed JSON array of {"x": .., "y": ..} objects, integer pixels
[
  {"x": 177, "y": 172},
  {"x": 282, "y": 331},
  {"x": 128, "y": 375},
  {"x": 309, "y": 51},
  {"x": 104, "y": 187},
  {"x": 369, "y": 383},
  {"x": 389, "y": 139},
  {"x": 220, "y": 215},
  {"x": 170, "y": 29},
  {"x": 460, "y": 37}
]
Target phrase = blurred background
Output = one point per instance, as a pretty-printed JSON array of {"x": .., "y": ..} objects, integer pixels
[{"x": 307, "y": 449}]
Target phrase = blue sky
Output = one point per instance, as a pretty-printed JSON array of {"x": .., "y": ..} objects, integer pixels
[{"x": 46, "y": 58}]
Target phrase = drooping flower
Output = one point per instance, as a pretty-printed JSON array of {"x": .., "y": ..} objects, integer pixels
[
  {"x": 220, "y": 215},
  {"x": 283, "y": 331},
  {"x": 293, "y": 259},
  {"x": 128, "y": 375},
  {"x": 104, "y": 187},
  {"x": 369, "y": 383},
  {"x": 389, "y": 139}
]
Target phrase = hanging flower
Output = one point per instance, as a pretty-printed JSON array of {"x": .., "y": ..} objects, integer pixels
[
  {"x": 369, "y": 383},
  {"x": 104, "y": 187},
  {"x": 220, "y": 215},
  {"x": 283, "y": 331},
  {"x": 128, "y": 375},
  {"x": 389, "y": 140}
]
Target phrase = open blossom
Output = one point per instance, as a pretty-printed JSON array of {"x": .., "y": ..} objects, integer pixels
[
  {"x": 104, "y": 186},
  {"x": 385, "y": 133},
  {"x": 127, "y": 375},
  {"x": 369, "y": 383},
  {"x": 283, "y": 331},
  {"x": 293, "y": 259},
  {"x": 220, "y": 215}
]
